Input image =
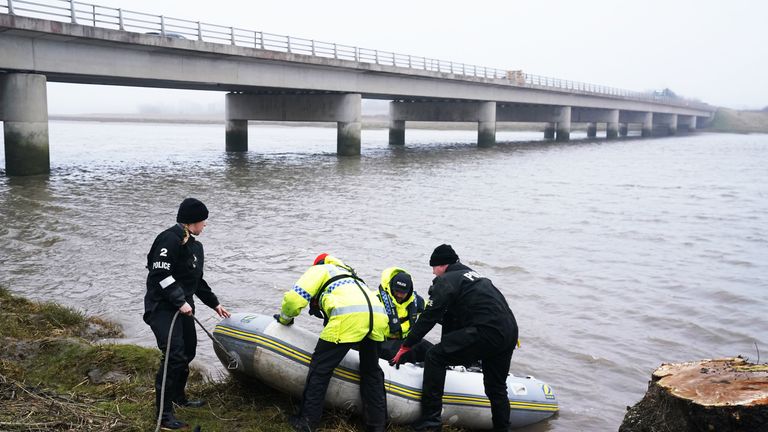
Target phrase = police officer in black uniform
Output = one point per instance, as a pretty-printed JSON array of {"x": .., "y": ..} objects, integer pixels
[
  {"x": 175, "y": 264},
  {"x": 477, "y": 325}
]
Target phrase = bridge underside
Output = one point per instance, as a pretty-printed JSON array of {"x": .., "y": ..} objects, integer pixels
[{"x": 23, "y": 110}]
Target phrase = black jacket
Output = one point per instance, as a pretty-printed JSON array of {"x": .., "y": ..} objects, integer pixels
[
  {"x": 176, "y": 273},
  {"x": 468, "y": 306}
]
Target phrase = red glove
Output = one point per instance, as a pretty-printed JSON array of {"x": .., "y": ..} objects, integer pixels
[{"x": 397, "y": 360}]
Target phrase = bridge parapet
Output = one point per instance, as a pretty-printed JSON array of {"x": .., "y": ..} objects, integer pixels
[{"x": 93, "y": 15}]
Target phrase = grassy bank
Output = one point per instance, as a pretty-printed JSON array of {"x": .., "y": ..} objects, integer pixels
[
  {"x": 54, "y": 376},
  {"x": 728, "y": 120}
]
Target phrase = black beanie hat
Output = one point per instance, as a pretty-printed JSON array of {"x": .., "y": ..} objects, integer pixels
[
  {"x": 191, "y": 211},
  {"x": 401, "y": 282},
  {"x": 443, "y": 254}
]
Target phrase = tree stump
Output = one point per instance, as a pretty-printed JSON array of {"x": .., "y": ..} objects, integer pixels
[{"x": 725, "y": 395}]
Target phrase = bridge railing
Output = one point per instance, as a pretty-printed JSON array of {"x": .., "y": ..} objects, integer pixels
[{"x": 77, "y": 12}]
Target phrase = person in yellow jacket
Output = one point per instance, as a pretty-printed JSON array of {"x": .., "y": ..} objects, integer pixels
[
  {"x": 403, "y": 306},
  {"x": 354, "y": 318}
]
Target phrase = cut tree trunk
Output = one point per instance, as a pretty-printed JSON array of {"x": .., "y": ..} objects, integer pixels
[{"x": 725, "y": 395}]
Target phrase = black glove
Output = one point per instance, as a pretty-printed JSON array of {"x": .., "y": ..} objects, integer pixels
[{"x": 279, "y": 319}]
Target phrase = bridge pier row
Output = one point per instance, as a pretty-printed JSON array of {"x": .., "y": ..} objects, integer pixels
[
  {"x": 592, "y": 130},
  {"x": 24, "y": 111},
  {"x": 484, "y": 113},
  {"x": 343, "y": 109}
]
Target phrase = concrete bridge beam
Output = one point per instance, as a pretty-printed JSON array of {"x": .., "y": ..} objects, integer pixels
[
  {"x": 343, "y": 109},
  {"x": 24, "y": 111},
  {"x": 484, "y": 113}
]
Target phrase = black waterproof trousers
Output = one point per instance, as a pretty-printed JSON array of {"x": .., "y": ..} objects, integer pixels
[
  {"x": 326, "y": 357},
  {"x": 183, "y": 348},
  {"x": 496, "y": 360}
]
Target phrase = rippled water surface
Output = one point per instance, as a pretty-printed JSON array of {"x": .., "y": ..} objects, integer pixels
[{"x": 615, "y": 256}]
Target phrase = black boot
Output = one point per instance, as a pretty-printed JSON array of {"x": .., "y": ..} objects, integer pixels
[
  {"x": 170, "y": 422},
  {"x": 300, "y": 424}
]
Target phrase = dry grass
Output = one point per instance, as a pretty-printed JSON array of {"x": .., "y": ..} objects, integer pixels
[{"x": 48, "y": 351}]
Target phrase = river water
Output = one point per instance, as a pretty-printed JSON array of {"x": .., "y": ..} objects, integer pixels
[{"x": 615, "y": 256}]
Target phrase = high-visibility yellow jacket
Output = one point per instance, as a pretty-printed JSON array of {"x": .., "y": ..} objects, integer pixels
[
  {"x": 353, "y": 310},
  {"x": 401, "y": 315}
]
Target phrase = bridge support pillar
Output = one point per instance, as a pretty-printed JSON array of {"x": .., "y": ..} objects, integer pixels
[
  {"x": 686, "y": 123},
  {"x": 647, "y": 125},
  {"x": 396, "y": 132},
  {"x": 612, "y": 128},
  {"x": 343, "y": 109},
  {"x": 564, "y": 124},
  {"x": 623, "y": 129},
  {"x": 486, "y": 125},
  {"x": 673, "y": 125},
  {"x": 348, "y": 138},
  {"x": 24, "y": 111},
  {"x": 484, "y": 113},
  {"x": 591, "y": 130},
  {"x": 549, "y": 131},
  {"x": 236, "y": 136},
  {"x": 664, "y": 124}
]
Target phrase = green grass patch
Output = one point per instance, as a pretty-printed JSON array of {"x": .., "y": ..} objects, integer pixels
[
  {"x": 45, "y": 384},
  {"x": 24, "y": 319}
]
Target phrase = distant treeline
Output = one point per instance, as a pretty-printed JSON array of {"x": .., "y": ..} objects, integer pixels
[{"x": 728, "y": 120}]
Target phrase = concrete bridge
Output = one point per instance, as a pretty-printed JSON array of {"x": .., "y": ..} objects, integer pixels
[{"x": 273, "y": 77}]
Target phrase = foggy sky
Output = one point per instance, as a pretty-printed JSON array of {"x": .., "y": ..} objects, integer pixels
[{"x": 716, "y": 51}]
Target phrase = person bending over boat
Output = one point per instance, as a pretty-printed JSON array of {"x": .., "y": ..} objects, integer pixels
[
  {"x": 403, "y": 306},
  {"x": 353, "y": 318},
  {"x": 175, "y": 263},
  {"x": 477, "y": 325}
]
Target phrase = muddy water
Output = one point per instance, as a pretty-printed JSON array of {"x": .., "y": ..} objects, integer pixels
[{"x": 615, "y": 256}]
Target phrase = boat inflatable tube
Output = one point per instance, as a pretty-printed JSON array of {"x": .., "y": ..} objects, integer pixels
[{"x": 279, "y": 356}]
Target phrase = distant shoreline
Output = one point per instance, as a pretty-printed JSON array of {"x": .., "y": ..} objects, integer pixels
[
  {"x": 725, "y": 121},
  {"x": 369, "y": 122}
]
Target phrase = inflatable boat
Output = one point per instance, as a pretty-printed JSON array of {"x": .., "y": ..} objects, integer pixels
[{"x": 279, "y": 356}]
